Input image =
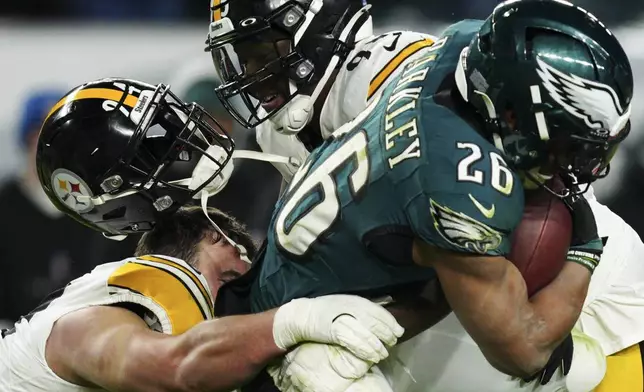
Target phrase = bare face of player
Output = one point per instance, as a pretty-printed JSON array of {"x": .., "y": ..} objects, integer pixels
[{"x": 219, "y": 262}]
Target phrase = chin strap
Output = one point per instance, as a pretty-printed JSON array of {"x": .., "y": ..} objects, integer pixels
[
  {"x": 202, "y": 173},
  {"x": 206, "y": 167},
  {"x": 210, "y": 163},
  {"x": 297, "y": 114},
  {"x": 115, "y": 237},
  {"x": 243, "y": 253}
]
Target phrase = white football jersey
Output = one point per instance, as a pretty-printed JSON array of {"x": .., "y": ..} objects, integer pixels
[
  {"x": 368, "y": 68},
  {"x": 614, "y": 309},
  {"x": 174, "y": 295}
]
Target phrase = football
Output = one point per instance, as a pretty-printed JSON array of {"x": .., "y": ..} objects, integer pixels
[{"x": 541, "y": 241}]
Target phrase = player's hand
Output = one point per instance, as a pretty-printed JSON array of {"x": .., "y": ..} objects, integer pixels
[
  {"x": 361, "y": 326},
  {"x": 586, "y": 247},
  {"x": 561, "y": 358},
  {"x": 314, "y": 367}
]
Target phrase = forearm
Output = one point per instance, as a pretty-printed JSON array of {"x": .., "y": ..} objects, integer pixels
[
  {"x": 543, "y": 323},
  {"x": 534, "y": 327},
  {"x": 488, "y": 294},
  {"x": 557, "y": 307},
  {"x": 223, "y": 354}
]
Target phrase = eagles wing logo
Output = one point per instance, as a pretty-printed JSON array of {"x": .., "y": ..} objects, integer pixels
[
  {"x": 595, "y": 103},
  {"x": 462, "y": 231}
]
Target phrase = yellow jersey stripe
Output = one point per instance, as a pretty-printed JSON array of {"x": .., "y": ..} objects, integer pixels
[
  {"x": 188, "y": 271},
  {"x": 94, "y": 93},
  {"x": 165, "y": 289},
  {"x": 203, "y": 303},
  {"x": 394, "y": 63}
]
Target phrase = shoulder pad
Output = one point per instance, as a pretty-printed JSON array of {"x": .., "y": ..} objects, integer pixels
[{"x": 180, "y": 290}]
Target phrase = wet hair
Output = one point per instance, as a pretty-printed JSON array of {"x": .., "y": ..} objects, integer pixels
[{"x": 180, "y": 234}]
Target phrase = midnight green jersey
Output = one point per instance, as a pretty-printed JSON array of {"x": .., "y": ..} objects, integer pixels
[{"x": 413, "y": 165}]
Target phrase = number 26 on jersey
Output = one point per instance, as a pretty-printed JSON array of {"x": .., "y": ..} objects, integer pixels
[{"x": 501, "y": 177}]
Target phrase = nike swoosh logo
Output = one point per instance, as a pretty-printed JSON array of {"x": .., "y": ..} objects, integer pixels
[{"x": 487, "y": 212}]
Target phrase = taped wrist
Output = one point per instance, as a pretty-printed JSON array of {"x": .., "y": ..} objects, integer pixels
[{"x": 588, "y": 259}]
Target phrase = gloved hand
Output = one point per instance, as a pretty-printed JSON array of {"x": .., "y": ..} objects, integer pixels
[
  {"x": 582, "y": 361},
  {"x": 561, "y": 358},
  {"x": 373, "y": 381},
  {"x": 314, "y": 367},
  {"x": 353, "y": 322},
  {"x": 586, "y": 247},
  {"x": 588, "y": 363}
]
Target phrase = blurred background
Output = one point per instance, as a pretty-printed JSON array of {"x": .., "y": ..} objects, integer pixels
[{"x": 48, "y": 47}]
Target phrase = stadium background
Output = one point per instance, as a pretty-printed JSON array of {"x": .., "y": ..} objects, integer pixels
[{"x": 52, "y": 46}]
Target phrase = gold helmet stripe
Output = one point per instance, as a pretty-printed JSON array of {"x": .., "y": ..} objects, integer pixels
[
  {"x": 216, "y": 10},
  {"x": 93, "y": 93}
]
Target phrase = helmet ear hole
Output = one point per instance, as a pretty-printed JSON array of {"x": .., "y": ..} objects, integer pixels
[
  {"x": 485, "y": 43},
  {"x": 115, "y": 214},
  {"x": 529, "y": 43}
]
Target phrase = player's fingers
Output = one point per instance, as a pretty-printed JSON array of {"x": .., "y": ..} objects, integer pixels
[
  {"x": 307, "y": 380},
  {"x": 373, "y": 381},
  {"x": 353, "y": 336},
  {"x": 387, "y": 333},
  {"x": 281, "y": 379},
  {"x": 345, "y": 364},
  {"x": 568, "y": 358},
  {"x": 385, "y": 328},
  {"x": 548, "y": 372},
  {"x": 297, "y": 378},
  {"x": 376, "y": 314}
]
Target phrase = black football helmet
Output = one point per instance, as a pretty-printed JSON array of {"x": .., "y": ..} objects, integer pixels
[
  {"x": 274, "y": 57},
  {"x": 554, "y": 85},
  {"x": 111, "y": 151}
]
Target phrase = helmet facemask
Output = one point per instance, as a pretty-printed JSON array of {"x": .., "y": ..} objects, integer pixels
[
  {"x": 257, "y": 64},
  {"x": 274, "y": 66},
  {"x": 169, "y": 138}
]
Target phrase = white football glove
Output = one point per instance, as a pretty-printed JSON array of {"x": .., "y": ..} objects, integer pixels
[
  {"x": 315, "y": 367},
  {"x": 373, "y": 381},
  {"x": 588, "y": 363},
  {"x": 353, "y": 322}
]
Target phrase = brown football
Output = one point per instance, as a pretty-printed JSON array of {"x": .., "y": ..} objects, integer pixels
[{"x": 541, "y": 241}]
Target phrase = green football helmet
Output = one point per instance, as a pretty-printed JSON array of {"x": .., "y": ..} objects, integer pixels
[{"x": 554, "y": 85}]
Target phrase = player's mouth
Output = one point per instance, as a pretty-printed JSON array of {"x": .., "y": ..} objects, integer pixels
[{"x": 272, "y": 101}]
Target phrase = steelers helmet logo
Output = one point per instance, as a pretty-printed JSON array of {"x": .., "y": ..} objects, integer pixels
[{"x": 72, "y": 191}]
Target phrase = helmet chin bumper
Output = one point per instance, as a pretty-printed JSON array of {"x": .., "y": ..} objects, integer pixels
[{"x": 294, "y": 116}]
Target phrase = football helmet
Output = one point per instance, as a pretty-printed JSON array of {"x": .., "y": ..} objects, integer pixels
[
  {"x": 554, "y": 85},
  {"x": 111, "y": 154},
  {"x": 275, "y": 57}
]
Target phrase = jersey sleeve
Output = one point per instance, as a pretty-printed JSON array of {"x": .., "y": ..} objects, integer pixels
[
  {"x": 468, "y": 200},
  {"x": 175, "y": 293},
  {"x": 369, "y": 68}
]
